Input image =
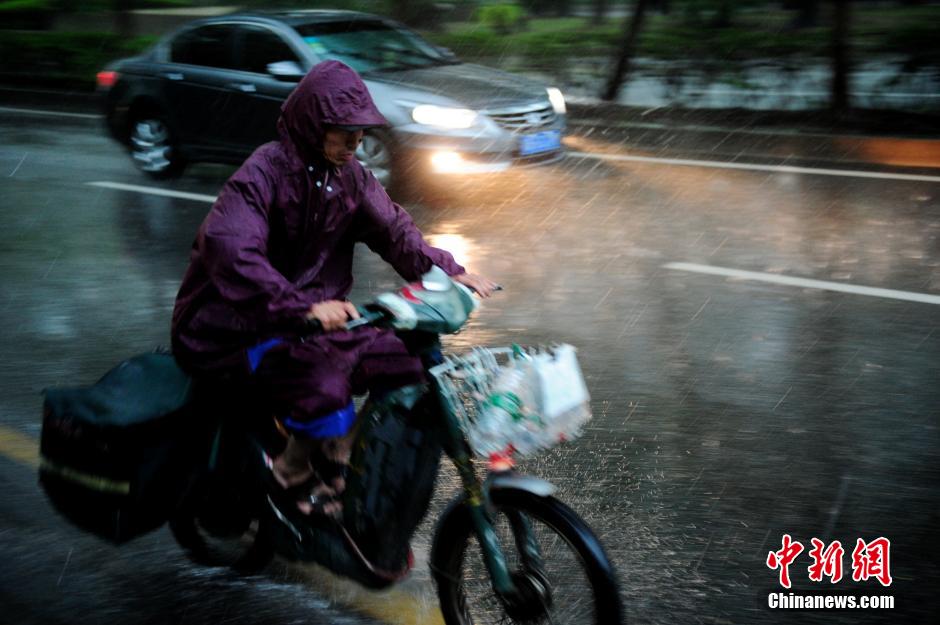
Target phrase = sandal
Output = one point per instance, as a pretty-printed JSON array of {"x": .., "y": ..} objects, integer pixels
[
  {"x": 328, "y": 471},
  {"x": 285, "y": 500}
]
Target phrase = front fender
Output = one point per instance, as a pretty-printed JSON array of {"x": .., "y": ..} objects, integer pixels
[
  {"x": 455, "y": 523},
  {"x": 509, "y": 479}
]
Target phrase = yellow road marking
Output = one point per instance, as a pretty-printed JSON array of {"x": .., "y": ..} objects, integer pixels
[
  {"x": 19, "y": 447},
  {"x": 398, "y": 605}
]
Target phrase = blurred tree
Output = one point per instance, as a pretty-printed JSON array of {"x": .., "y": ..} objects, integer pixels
[
  {"x": 712, "y": 13},
  {"x": 502, "y": 19},
  {"x": 124, "y": 22},
  {"x": 723, "y": 14},
  {"x": 807, "y": 15},
  {"x": 560, "y": 8},
  {"x": 622, "y": 61},
  {"x": 600, "y": 10},
  {"x": 419, "y": 13},
  {"x": 840, "y": 57},
  {"x": 662, "y": 6},
  {"x": 402, "y": 9}
]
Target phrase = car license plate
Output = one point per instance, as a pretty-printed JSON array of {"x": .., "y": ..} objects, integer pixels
[{"x": 539, "y": 142}]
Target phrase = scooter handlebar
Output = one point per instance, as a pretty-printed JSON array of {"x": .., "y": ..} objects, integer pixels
[{"x": 367, "y": 317}]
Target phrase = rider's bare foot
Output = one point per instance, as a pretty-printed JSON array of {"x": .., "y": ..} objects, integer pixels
[
  {"x": 288, "y": 475},
  {"x": 330, "y": 461},
  {"x": 293, "y": 468}
]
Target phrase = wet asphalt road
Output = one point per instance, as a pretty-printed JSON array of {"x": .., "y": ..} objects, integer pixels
[{"x": 728, "y": 412}]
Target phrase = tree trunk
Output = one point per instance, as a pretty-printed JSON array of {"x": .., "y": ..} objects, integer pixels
[
  {"x": 600, "y": 10},
  {"x": 723, "y": 15},
  {"x": 124, "y": 22},
  {"x": 807, "y": 13},
  {"x": 840, "y": 57},
  {"x": 400, "y": 10},
  {"x": 622, "y": 62}
]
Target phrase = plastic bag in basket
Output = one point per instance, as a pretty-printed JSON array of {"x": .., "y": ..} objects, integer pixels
[
  {"x": 560, "y": 385},
  {"x": 561, "y": 395},
  {"x": 536, "y": 401}
]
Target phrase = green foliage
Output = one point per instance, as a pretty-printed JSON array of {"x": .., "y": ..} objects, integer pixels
[
  {"x": 61, "y": 59},
  {"x": 11, "y": 6},
  {"x": 918, "y": 42},
  {"x": 502, "y": 18},
  {"x": 544, "y": 39},
  {"x": 546, "y": 43},
  {"x": 679, "y": 41},
  {"x": 720, "y": 13},
  {"x": 85, "y": 5}
]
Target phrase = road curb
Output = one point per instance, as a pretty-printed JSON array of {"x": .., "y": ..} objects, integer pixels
[
  {"x": 68, "y": 100},
  {"x": 774, "y": 144}
]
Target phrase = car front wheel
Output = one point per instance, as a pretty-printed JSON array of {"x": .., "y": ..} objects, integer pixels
[{"x": 152, "y": 147}]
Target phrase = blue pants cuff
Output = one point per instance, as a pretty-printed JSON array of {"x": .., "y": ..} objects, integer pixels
[{"x": 335, "y": 424}]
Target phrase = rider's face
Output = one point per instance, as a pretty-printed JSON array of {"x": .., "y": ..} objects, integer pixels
[{"x": 339, "y": 146}]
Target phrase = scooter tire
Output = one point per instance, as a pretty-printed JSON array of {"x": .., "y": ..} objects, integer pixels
[
  {"x": 466, "y": 597},
  {"x": 246, "y": 548}
]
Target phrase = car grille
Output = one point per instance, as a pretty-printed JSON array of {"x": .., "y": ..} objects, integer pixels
[{"x": 524, "y": 119}]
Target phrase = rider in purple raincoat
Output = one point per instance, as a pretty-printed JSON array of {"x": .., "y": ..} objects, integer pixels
[{"x": 277, "y": 249}]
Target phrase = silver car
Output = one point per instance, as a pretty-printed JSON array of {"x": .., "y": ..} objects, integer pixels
[{"x": 212, "y": 90}]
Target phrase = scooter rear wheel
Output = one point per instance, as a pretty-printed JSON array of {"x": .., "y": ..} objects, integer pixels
[{"x": 235, "y": 541}]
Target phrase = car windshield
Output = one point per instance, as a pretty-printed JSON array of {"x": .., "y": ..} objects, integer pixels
[{"x": 371, "y": 46}]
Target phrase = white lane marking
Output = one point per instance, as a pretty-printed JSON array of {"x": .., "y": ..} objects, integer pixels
[
  {"x": 10, "y": 109},
  {"x": 806, "y": 283},
  {"x": 120, "y": 186},
  {"x": 786, "y": 169}
]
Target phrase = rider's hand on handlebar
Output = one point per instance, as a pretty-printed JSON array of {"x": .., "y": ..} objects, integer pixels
[
  {"x": 333, "y": 314},
  {"x": 483, "y": 286}
]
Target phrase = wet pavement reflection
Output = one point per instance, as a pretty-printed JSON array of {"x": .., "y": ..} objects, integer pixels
[{"x": 727, "y": 412}]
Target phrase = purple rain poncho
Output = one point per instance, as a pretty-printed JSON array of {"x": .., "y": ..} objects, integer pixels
[{"x": 279, "y": 238}]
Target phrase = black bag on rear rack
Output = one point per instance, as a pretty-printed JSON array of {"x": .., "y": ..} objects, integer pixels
[{"x": 116, "y": 456}]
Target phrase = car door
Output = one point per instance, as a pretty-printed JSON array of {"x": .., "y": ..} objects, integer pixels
[
  {"x": 198, "y": 86},
  {"x": 260, "y": 94}
]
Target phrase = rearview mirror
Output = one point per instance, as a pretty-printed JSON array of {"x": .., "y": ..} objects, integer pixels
[
  {"x": 286, "y": 70},
  {"x": 447, "y": 53}
]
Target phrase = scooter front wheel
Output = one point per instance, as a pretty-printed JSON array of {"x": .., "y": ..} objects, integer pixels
[{"x": 556, "y": 563}]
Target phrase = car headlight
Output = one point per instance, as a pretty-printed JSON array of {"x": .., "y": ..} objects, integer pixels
[
  {"x": 557, "y": 99},
  {"x": 443, "y": 116}
]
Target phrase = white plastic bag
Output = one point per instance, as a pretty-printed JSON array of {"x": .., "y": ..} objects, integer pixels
[{"x": 558, "y": 381}]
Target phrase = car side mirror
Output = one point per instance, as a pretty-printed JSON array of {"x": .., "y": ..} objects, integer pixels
[
  {"x": 286, "y": 70},
  {"x": 447, "y": 53}
]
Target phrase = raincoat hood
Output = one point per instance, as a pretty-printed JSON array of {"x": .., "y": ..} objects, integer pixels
[{"x": 331, "y": 94}]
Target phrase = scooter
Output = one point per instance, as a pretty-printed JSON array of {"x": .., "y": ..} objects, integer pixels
[{"x": 504, "y": 549}]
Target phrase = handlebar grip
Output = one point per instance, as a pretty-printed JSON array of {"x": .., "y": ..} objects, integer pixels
[{"x": 367, "y": 317}]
